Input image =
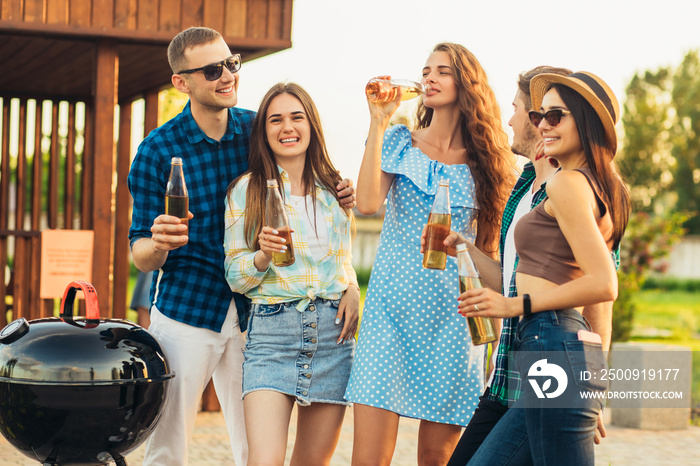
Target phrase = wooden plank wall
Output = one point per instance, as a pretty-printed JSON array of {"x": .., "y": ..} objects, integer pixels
[
  {"x": 39, "y": 189},
  {"x": 250, "y": 19},
  {"x": 60, "y": 189}
]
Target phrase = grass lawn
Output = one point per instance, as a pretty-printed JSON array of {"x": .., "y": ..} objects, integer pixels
[{"x": 674, "y": 314}]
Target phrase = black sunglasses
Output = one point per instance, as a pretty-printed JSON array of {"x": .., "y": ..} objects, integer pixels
[
  {"x": 213, "y": 72},
  {"x": 553, "y": 117}
]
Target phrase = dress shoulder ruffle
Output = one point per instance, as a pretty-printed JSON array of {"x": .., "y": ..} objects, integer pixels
[{"x": 401, "y": 158}]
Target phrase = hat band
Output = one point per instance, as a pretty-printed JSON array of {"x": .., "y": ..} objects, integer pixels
[{"x": 598, "y": 91}]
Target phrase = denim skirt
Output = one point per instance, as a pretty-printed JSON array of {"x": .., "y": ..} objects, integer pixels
[{"x": 296, "y": 353}]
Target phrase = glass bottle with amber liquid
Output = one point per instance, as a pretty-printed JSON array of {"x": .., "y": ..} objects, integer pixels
[
  {"x": 176, "y": 200},
  {"x": 439, "y": 223},
  {"x": 276, "y": 217},
  {"x": 385, "y": 90},
  {"x": 481, "y": 329}
]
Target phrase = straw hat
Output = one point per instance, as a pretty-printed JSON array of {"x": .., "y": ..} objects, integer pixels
[{"x": 591, "y": 88}]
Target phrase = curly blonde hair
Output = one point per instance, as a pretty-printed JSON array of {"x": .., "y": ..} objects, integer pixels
[{"x": 489, "y": 157}]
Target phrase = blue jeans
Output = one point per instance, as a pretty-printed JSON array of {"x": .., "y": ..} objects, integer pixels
[
  {"x": 483, "y": 421},
  {"x": 553, "y": 435}
]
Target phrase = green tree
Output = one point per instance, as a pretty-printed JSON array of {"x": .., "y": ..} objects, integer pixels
[
  {"x": 645, "y": 158},
  {"x": 170, "y": 103},
  {"x": 685, "y": 137},
  {"x": 660, "y": 158}
]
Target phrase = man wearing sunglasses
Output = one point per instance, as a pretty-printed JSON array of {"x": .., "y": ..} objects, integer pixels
[{"x": 195, "y": 317}]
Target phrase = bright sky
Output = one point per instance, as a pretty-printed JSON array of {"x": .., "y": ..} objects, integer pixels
[{"x": 339, "y": 45}]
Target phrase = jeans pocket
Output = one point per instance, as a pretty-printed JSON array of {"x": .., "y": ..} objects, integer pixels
[
  {"x": 588, "y": 357},
  {"x": 334, "y": 303},
  {"x": 528, "y": 336},
  {"x": 266, "y": 310}
]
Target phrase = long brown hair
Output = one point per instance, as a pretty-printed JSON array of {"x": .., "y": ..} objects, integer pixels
[
  {"x": 599, "y": 158},
  {"x": 488, "y": 152},
  {"x": 318, "y": 167}
]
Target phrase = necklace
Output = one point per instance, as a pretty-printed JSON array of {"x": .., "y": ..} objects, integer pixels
[{"x": 296, "y": 200}]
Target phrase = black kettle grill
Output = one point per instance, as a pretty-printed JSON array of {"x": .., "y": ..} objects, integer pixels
[{"x": 80, "y": 390}]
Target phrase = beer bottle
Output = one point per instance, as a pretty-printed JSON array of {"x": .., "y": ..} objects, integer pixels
[
  {"x": 384, "y": 90},
  {"x": 176, "y": 200},
  {"x": 481, "y": 329},
  {"x": 439, "y": 223},
  {"x": 276, "y": 217}
]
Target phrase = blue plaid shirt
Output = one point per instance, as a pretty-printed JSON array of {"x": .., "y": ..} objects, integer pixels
[
  {"x": 191, "y": 287},
  {"x": 506, "y": 385}
]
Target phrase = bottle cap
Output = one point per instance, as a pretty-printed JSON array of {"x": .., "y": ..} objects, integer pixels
[
  {"x": 461, "y": 247},
  {"x": 444, "y": 182},
  {"x": 176, "y": 160},
  {"x": 272, "y": 183}
]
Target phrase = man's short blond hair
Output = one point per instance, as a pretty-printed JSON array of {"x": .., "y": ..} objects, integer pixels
[{"x": 190, "y": 37}]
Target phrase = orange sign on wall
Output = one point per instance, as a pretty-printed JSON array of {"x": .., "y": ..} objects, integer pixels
[{"x": 66, "y": 256}]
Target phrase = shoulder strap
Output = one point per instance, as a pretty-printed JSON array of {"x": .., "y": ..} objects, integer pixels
[{"x": 596, "y": 190}]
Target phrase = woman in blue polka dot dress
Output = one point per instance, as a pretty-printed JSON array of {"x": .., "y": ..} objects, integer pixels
[{"x": 415, "y": 356}]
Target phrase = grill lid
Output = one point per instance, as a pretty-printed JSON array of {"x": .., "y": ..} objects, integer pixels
[{"x": 80, "y": 350}]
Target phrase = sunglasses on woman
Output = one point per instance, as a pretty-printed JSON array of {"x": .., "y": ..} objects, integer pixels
[
  {"x": 553, "y": 117},
  {"x": 215, "y": 70}
]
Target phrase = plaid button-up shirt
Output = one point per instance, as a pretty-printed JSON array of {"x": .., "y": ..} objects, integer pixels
[
  {"x": 191, "y": 287},
  {"x": 505, "y": 387},
  {"x": 304, "y": 280}
]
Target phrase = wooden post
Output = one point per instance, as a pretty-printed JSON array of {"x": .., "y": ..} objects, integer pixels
[
  {"x": 121, "y": 232},
  {"x": 106, "y": 79},
  {"x": 210, "y": 402}
]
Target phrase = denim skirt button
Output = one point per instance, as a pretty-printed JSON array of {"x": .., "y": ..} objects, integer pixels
[{"x": 313, "y": 324}]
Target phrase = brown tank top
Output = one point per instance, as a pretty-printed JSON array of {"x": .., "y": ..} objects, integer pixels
[{"x": 542, "y": 248}]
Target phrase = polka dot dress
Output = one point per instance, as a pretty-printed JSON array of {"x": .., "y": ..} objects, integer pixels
[{"x": 415, "y": 356}]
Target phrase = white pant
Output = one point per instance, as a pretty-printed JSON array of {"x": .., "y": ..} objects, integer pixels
[{"x": 197, "y": 355}]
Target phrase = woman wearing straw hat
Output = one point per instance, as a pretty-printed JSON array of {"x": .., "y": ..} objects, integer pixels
[{"x": 564, "y": 246}]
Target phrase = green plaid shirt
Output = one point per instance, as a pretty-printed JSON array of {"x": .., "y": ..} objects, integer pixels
[
  {"x": 505, "y": 387},
  {"x": 506, "y": 384}
]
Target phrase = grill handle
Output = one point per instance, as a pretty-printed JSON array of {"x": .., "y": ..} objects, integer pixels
[{"x": 92, "y": 309}]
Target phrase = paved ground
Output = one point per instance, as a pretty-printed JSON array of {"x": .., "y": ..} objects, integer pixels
[{"x": 622, "y": 446}]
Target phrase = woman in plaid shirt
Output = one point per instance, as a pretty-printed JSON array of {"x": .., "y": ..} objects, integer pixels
[{"x": 300, "y": 335}]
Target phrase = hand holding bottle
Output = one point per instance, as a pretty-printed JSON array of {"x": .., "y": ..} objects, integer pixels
[
  {"x": 438, "y": 228},
  {"x": 169, "y": 232},
  {"x": 482, "y": 329},
  {"x": 382, "y": 110},
  {"x": 452, "y": 240},
  {"x": 271, "y": 243},
  {"x": 385, "y": 89},
  {"x": 177, "y": 201},
  {"x": 277, "y": 224}
]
